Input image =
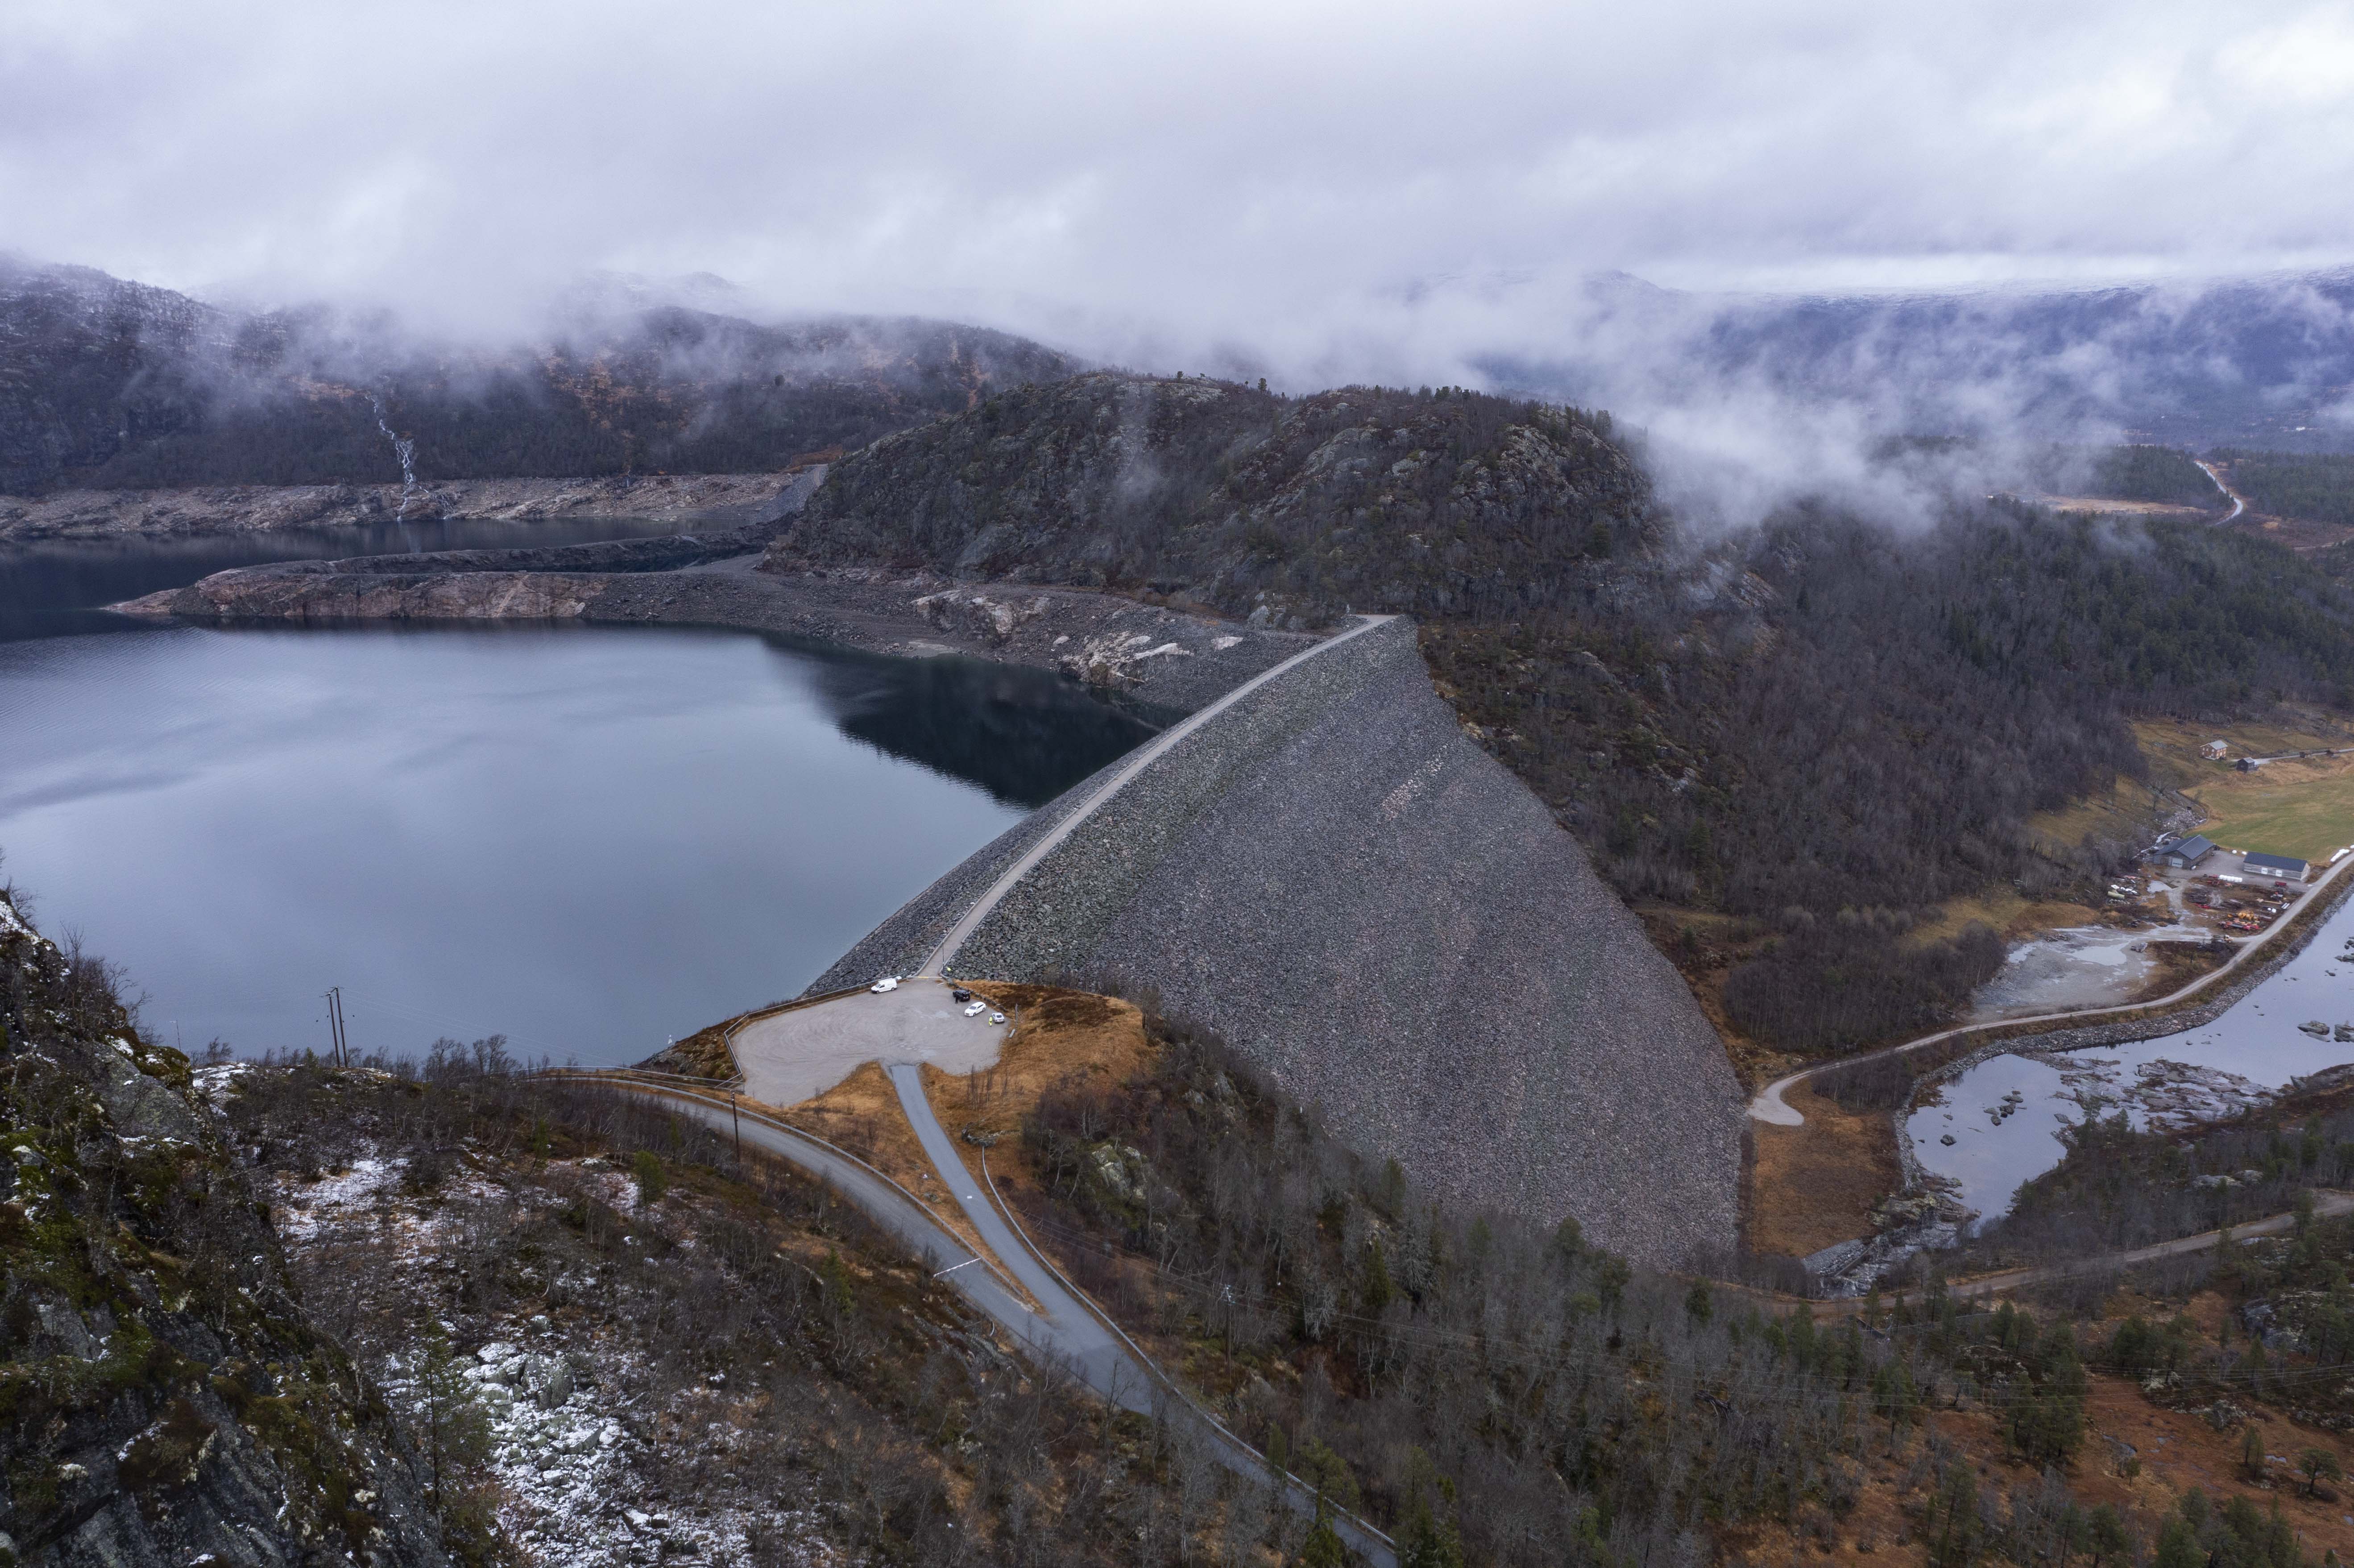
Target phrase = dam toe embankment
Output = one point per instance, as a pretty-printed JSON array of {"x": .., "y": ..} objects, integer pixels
[{"x": 1361, "y": 900}]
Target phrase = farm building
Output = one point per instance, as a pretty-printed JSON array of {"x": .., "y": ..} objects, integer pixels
[
  {"x": 2183, "y": 853},
  {"x": 2215, "y": 750},
  {"x": 2279, "y": 867}
]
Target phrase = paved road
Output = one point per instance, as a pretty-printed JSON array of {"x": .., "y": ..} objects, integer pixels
[
  {"x": 1107, "y": 1359},
  {"x": 1769, "y": 1106},
  {"x": 1138, "y": 762},
  {"x": 1067, "y": 1334},
  {"x": 2326, "y": 1202},
  {"x": 1093, "y": 1353},
  {"x": 873, "y": 1193}
]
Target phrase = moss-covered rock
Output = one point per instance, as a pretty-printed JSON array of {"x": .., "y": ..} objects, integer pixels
[{"x": 162, "y": 1395}]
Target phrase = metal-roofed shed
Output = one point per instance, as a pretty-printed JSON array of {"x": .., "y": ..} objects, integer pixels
[{"x": 2184, "y": 854}]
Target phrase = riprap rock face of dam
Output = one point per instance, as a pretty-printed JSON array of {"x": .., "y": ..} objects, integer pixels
[{"x": 1332, "y": 875}]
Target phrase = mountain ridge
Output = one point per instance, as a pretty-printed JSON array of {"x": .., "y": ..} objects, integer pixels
[{"x": 107, "y": 383}]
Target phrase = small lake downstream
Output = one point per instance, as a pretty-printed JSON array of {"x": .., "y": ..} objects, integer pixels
[
  {"x": 588, "y": 839},
  {"x": 2004, "y": 1116}
]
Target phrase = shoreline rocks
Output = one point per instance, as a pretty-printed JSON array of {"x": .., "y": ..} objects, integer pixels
[{"x": 724, "y": 498}]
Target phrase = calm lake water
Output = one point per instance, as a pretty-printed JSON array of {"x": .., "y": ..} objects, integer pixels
[
  {"x": 54, "y": 588},
  {"x": 2252, "y": 1049},
  {"x": 589, "y": 839}
]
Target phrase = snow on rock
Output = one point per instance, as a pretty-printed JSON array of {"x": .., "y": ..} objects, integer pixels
[{"x": 572, "y": 1470}]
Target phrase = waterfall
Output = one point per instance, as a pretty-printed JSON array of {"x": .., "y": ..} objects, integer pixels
[{"x": 405, "y": 449}]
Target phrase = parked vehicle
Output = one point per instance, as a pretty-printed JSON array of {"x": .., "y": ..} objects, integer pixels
[{"x": 887, "y": 983}]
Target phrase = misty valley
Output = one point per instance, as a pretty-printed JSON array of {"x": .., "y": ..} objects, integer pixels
[{"x": 686, "y": 933}]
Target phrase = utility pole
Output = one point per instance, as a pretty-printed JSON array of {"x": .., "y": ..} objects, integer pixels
[{"x": 341, "y": 1051}]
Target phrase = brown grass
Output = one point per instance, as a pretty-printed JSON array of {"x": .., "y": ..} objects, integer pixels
[
  {"x": 2173, "y": 1451},
  {"x": 1815, "y": 1184},
  {"x": 2300, "y": 534},
  {"x": 702, "y": 1055},
  {"x": 1060, "y": 1035},
  {"x": 2127, "y": 811},
  {"x": 862, "y": 1114},
  {"x": 2174, "y": 965}
]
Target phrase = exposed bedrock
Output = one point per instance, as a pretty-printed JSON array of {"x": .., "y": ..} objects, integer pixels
[
  {"x": 1364, "y": 901},
  {"x": 1150, "y": 656},
  {"x": 724, "y": 499}
]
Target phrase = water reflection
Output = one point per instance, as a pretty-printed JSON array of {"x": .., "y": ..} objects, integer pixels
[
  {"x": 1023, "y": 736},
  {"x": 2004, "y": 1115},
  {"x": 590, "y": 838}
]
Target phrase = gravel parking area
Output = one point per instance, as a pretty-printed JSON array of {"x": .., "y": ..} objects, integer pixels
[{"x": 788, "y": 1057}]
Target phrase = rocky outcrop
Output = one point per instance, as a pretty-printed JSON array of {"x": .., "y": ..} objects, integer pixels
[
  {"x": 1361, "y": 900},
  {"x": 1149, "y": 655},
  {"x": 724, "y": 499},
  {"x": 163, "y": 1399}
]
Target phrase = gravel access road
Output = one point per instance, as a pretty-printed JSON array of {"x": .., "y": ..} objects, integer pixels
[
  {"x": 2239, "y": 502},
  {"x": 2325, "y": 1204},
  {"x": 1769, "y": 1106},
  {"x": 1136, "y": 761}
]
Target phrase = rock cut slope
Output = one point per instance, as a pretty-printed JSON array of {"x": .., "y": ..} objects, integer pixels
[
  {"x": 1333, "y": 876},
  {"x": 163, "y": 1397}
]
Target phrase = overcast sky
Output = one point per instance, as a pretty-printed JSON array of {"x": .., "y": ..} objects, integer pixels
[{"x": 1265, "y": 173}]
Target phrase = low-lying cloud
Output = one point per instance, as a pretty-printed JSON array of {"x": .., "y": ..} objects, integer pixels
[{"x": 1318, "y": 192}]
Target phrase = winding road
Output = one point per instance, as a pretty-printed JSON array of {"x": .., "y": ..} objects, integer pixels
[
  {"x": 2239, "y": 502},
  {"x": 1142, "y": 758},
  {"x": 1769, "y": 1106},
  {"x": 1070, "y": 1332},
  {"x": 1064, "y": 1330}
]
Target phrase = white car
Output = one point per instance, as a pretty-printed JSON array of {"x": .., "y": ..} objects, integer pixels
[
  {"x": 975, "y": 1009},
  {"x": 887, "y": 983},
  {"x": 997, "y": 1018}
]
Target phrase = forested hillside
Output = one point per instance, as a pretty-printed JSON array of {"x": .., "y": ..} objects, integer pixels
[
  {"x": 1787, "y": 746},
  {"x": 105, "y": 384},
  {"x": 1507, "y": 1395},
  {"x": 2151, "y": 473},
  {"x": 1442, "y": 503},
  {"x": 2285, "y": 484}
]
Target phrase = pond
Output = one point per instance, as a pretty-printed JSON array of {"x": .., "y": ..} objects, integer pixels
[
  {"x": 2004, "y": 1115},
  {"x": 589, "y": 839}
]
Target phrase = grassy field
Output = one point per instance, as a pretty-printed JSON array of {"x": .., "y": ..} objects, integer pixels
[
  {"x": 2304, "y": 807},
  {"x": 2127, "y": 812}
]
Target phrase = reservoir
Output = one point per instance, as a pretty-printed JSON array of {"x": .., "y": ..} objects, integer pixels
[{"x": 589, "y": 839}]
